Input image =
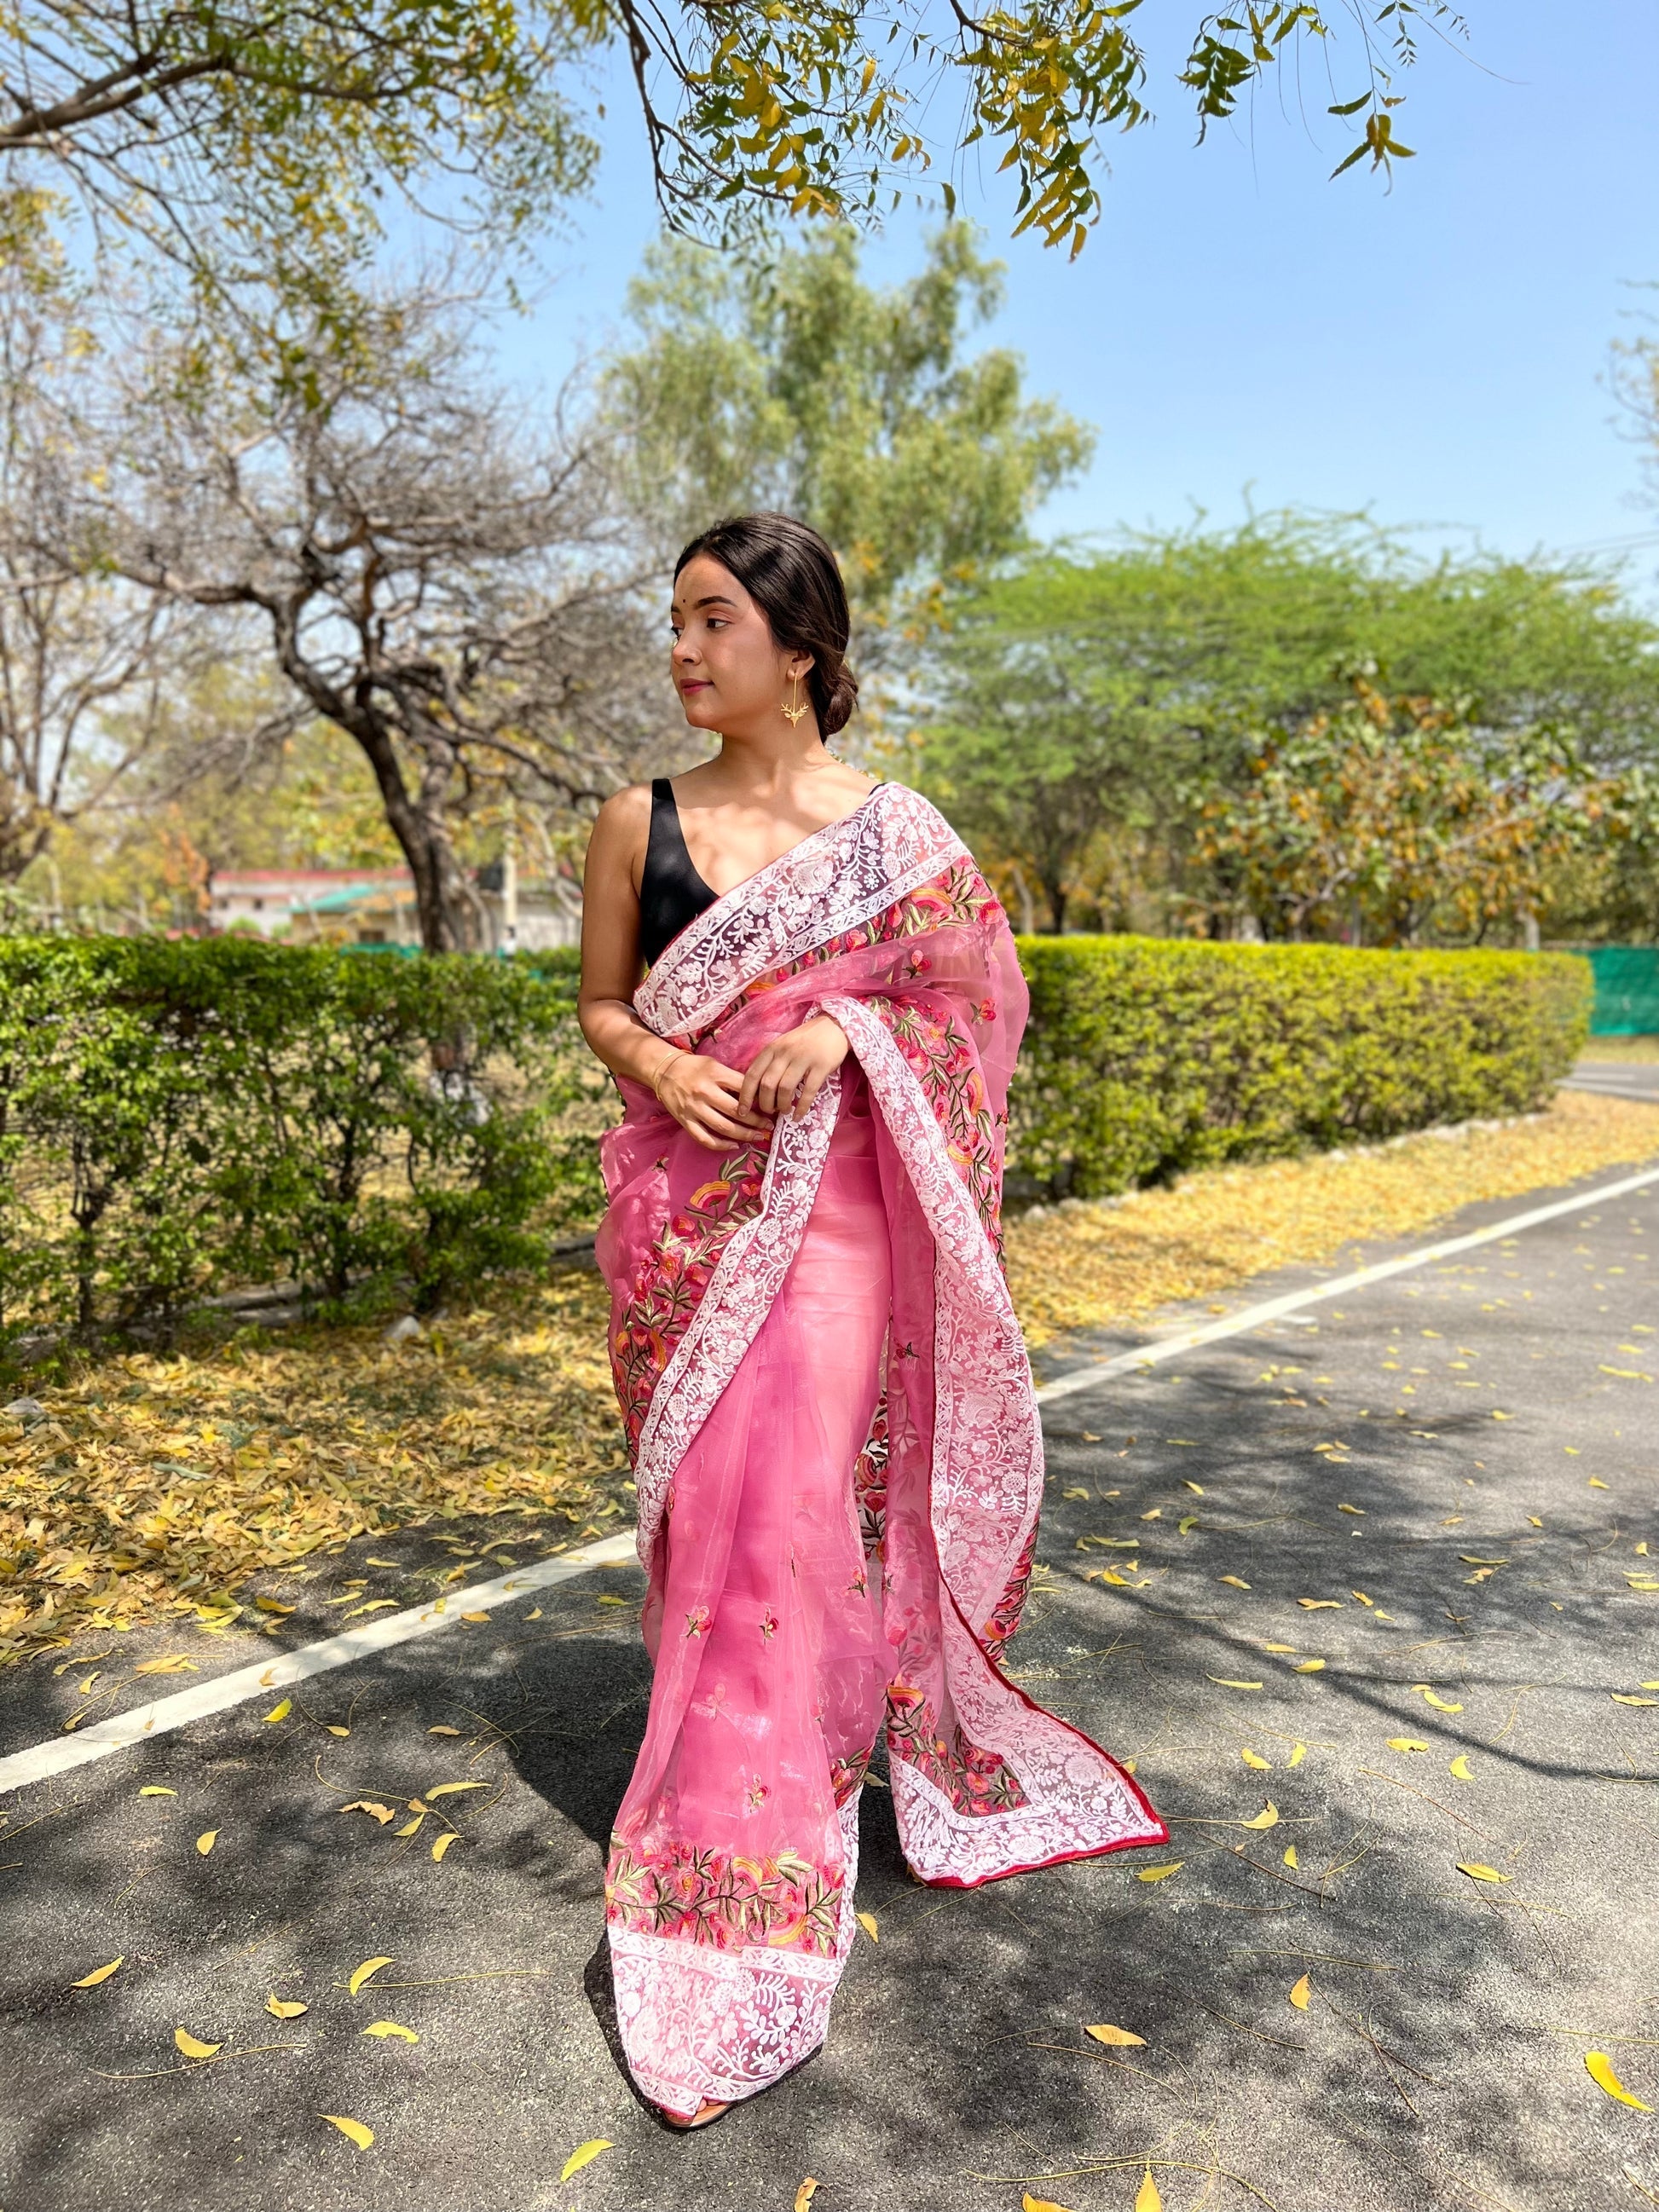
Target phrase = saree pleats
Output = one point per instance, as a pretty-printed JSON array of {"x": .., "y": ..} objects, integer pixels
[{"x": 735, "y": 1850}]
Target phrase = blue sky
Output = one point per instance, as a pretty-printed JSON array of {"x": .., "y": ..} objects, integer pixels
[{"x": 1437, "y": 353}]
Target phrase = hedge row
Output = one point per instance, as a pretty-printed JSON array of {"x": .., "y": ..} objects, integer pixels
[
  {"x": 180, "y": 1119},
  {"x": 1145, "y": 1057},
  {"x": 176, "y": 1119}
]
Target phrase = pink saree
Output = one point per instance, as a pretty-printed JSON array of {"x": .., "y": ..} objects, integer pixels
[{"x": 838, "y": 1457}]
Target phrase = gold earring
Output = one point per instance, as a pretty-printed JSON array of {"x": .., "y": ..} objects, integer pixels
[{"x": 795, "y": 706}]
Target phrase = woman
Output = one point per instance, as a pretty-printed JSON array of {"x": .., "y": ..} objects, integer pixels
[{"x": 827, "y": 1398}]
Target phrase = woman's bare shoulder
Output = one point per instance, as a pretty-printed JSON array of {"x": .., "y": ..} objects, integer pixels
[{"x": 623, "y": 820}]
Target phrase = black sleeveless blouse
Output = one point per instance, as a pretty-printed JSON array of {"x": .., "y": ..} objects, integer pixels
[{"x": 671, "y": 892}]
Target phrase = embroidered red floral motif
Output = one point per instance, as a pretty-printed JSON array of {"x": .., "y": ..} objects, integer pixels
[
  {"x": 698, "y": 1621},
  {"x": 975, "y": 1781},
  {"x": 672, "y": 1279},
  {"x": 713, "y": 1897},
  {"x": 870, "y": 1481}
]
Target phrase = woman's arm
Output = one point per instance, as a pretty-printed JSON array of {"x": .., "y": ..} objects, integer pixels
[{"x": 701, "y": 1094}]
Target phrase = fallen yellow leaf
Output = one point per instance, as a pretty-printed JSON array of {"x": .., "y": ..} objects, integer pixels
[
  {"x": 412, "y": 1827},
  {"x": 280, "y": 1712},
  {"x": 1300, "y": 1995},
  {"x": 366, "y": 1972},
  {"x": 443, "y": 1844},
  {"x": 1254, "y": 1758},
  {"x": 206, "y": 1840},
  {"x": 381, "y": 1813},
  {"x": 191, "y": 2047},
  {"x": 1596, "y": 1483},
  {"x": 868, "y": 1922},
  {"x": 1267, "y": 1818},
  {"x": 1227, "y": 1683},
  {"x": 1320, "y": 1604},
  {"x": 1429, "y": 1698},
  {"x": 474, "y": 1619},
  {"x": 805, "y": 2193},
  {"x": 1307, "y": 1666},
  {"x": 178, "y": 1664},
  {"x": 1620, "y": 1698},
  {"x": 1297, "y": 1756},
  {"x": 1161, "y": 1873},
  {"x": 157, "y": 1789},
  {"x": 334, "y": 1728},
  {"x": 360, "y": 2135},
  {"x": 1116, "y": 2036},
  {"x": 284, "y": 2008},
  {"x": 584, "y": 2155},
  {"x": 1481, "y": 1873},
  {"x": 450, "y": 1789},
  {"x": 1598, "y": 2067},
  {"x": 1290, "y": 1855},
  {"x": 1406, "y": 1743},
  {"x": 1458, "y": 1769},
  {"x": 1359, "y": 1510},
  {"x": 443, "y": 1728},
  {"x": 1146, "y": 2196},
  {"x": 383, "y": 2028},
  {"x": 380, "y": 1563},
  {"x": 98, "y": 1974},
  {"x": 1030, "y": 2203},
  {"x": 273, "y": 1605},
  {"x": 1234, "y": 1580}
]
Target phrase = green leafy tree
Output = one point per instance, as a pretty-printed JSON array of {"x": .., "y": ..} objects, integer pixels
[
  {"x": 1078, "y": 699},
  {"x": 1392, "y": 816},
  {"x": 789, "y": 382},
  {"x": 247, "y": 134}
]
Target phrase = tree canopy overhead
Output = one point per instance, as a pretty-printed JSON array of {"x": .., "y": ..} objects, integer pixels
[{"x": 247, "y": 133}]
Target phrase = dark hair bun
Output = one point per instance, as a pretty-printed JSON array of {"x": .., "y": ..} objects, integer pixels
[
  {"x": 836, "y": 712},
  {"x": 791, "y": 574}
]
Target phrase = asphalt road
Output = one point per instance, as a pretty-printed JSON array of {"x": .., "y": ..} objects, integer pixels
[
  {"x": 1616, "y": 1079},
  {"x": 1493, "y": 1422}
]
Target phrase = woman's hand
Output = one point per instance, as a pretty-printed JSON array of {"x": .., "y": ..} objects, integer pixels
[
  {"x": 702, "y": 1096},
  {"x": 787, "y": 1075}
]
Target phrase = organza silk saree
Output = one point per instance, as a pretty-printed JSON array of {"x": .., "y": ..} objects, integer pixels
[{"x": 838, "y": 1457}]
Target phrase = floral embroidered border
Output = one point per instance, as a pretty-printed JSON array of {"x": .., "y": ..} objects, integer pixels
[{"x": 832, "y": 882}]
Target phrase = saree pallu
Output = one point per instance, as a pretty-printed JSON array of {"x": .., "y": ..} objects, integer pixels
[{"x": 838, "y": 1457}]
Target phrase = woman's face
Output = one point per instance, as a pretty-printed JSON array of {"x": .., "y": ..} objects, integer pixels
[{"x": 729, "y": 670}]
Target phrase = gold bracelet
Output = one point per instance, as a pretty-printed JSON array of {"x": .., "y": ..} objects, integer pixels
[{"x": 663, "y": 1066}]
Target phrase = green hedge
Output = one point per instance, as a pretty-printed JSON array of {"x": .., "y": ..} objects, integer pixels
[
  {"x": 176, "y": 1119},
  {"x": 1145, "y": 1056}
]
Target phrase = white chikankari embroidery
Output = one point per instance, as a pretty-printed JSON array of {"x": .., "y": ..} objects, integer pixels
[
  {"x": 834, "y": 880},
  {"x": 737, "y": 1298},
  {"x": 701, "y": 2024},
  {"x": 987, "y": 1487}
]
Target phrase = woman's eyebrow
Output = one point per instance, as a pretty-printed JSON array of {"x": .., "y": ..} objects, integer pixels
[{"x": 714, "y": 600}]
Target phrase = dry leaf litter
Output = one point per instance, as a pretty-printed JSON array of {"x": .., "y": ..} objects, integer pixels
[{"x": 156, "y": 1486}]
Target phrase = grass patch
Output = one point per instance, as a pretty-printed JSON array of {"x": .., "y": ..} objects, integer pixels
[{"x": 1644, "y": 1049}]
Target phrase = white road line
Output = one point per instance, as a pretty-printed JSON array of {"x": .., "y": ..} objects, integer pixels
[
  {"x": 161, "y": 1716},
  {"x": 1170, "y": 1347}
]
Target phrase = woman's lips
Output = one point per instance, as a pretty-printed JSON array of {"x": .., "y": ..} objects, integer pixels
[{"x": 695, "y": 684}]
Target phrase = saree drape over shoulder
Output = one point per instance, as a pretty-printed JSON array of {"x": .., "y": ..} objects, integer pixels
[{"x": 838, "y": 1457}]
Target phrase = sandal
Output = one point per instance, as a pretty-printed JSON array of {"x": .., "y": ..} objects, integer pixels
[{"x": 701, "y": 2119}]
